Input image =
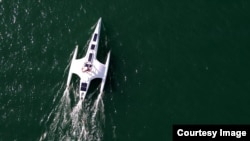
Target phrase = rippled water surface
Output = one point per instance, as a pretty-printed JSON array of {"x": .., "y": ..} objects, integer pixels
[{"x": 171, "y": 62}]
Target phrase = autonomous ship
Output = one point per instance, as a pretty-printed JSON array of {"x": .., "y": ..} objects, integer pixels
[{"x": 88, "y": 67}]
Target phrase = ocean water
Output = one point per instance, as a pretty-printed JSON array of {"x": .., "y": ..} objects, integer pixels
[{"x": 172, "y": 62}]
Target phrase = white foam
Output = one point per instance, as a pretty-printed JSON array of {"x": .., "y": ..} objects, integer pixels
[{"x": 81, "y": 122}]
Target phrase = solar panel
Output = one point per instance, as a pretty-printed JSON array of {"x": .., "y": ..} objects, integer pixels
[
  {"x": 83, "y": 86},
  {"x": 92, "y": 46},
  {"x": 95, "y": 37},
  {"x": 90, "y": 57},
  {"x": 83, "y": 89}
]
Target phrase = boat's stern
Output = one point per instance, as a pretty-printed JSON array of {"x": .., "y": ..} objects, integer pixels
[{"x": 83, "y": 89}]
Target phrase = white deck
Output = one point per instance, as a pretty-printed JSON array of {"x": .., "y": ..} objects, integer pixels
[{"x": 88, "y": 67}]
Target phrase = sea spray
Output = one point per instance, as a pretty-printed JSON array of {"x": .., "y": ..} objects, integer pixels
[
  {"x": 97, "y": 119},
  {"x": 98, "y": 105},
  {"x": 83, "y": 121},
  {"x": 78, "y": 128},
  {"x": 58, "y": 118}
]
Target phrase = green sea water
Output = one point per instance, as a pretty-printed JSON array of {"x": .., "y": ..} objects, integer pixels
[{"x": 172, "y": 62}]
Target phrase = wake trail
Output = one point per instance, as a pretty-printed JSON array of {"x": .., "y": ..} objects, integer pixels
[
  {"x": 58, "y": 118},
  {"x": 78, "y": 125},
  {"x": 97, "y": 104},
  {"x": 83, "y": 121},
  {"x": 61, "y": 111},
  {"x": 97, "y": 119}
]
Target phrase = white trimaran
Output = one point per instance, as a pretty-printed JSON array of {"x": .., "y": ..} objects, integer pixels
[{"x": 88, "y": 67}]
